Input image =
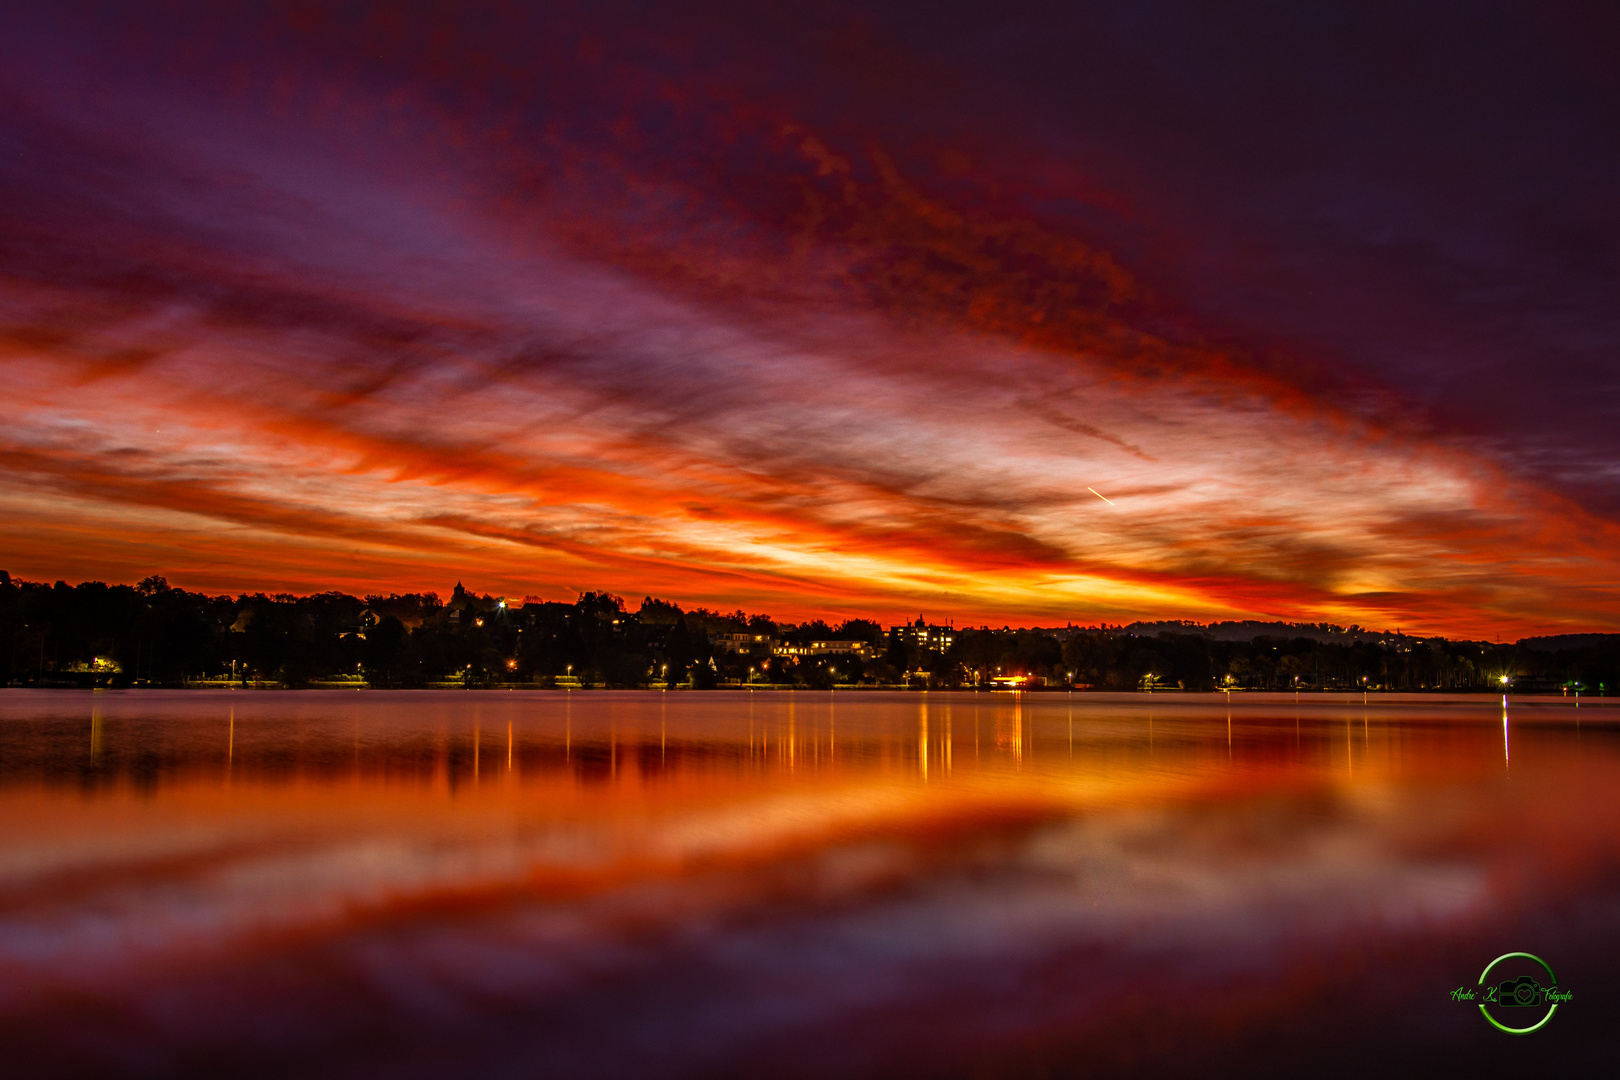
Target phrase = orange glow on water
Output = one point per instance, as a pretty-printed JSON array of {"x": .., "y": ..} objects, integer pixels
[{"x": 188, "y": 844}]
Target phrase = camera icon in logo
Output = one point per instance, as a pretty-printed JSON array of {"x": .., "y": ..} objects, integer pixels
[{"x": 1523, "y": 992}]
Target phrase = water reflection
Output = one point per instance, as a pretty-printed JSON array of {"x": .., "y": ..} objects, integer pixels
[
  {"x": 759, "y": 883},
  {"x": 1507, "y": 758}
]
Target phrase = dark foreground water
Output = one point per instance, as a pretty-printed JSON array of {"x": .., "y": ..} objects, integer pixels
[{"x": 661, "y": 885}]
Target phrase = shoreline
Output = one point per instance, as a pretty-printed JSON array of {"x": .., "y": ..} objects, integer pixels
[{"x": 1335, "y": 695}]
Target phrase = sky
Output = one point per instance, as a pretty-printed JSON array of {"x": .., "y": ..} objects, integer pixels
[{"x": 1013, "y": 314}]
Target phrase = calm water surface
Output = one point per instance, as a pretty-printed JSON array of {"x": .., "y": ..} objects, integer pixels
[{"x": 808, "y": 884}]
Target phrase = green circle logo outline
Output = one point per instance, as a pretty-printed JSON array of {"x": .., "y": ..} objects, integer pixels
[{"x": 1552, "y": 980}]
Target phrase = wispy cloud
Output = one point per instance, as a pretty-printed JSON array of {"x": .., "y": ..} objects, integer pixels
[{"x": 291, "y": 317}]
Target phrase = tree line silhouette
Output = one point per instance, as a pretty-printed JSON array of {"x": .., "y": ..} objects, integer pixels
[{"x": 153, "y": 635}]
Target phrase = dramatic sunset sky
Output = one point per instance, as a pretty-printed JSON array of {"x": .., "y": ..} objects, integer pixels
[{"x": 834, "y": 309}]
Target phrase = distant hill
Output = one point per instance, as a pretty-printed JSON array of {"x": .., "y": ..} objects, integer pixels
[
  {"x": 1560, "y": 642},
  {"x": 1328, "y": 633},
  {"x": 1248, "y": 630}
]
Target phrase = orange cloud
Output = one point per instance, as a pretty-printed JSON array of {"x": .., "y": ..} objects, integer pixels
[{"x": 427, "y": 339}]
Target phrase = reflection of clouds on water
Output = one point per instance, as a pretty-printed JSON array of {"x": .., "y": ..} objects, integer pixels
[
  {"x": 563, "y": 920},
  {"x": 1134, "y": 860},
  {"x": 798, "y": 899},
  {"x": 1164, "y": 878}
]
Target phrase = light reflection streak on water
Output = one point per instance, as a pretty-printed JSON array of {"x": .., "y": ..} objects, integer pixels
[
  {"x": 922, "y": 739},
  {"x": 194, "y": 831}
]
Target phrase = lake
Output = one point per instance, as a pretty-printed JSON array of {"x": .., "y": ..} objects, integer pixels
[{"x": 599, "y": 884}]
